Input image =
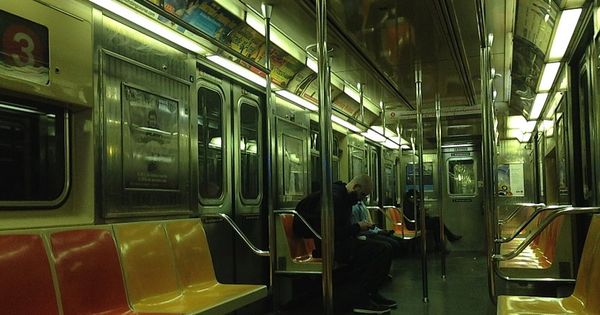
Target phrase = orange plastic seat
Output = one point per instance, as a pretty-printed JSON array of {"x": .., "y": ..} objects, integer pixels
[
  {"x": 194, "y": 265},
  {"x": 584, "y": 299},
  {"x": 294, "y": 254},
  {"x": 397, "y": 224},
  {"x": 541, "y": 253},
  {"x": 26, "y": 285},
  {"x": 89, "y": 273}
]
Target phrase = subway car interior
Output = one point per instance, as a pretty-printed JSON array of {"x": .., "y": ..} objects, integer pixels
[{"x": 153, "y": 154}]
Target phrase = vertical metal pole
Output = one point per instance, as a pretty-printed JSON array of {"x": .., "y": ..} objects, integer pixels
[
  {"x": 267, "y": 12},
  {"x": 487, "y": 109},
  {"x": 440, "y": 171},
  {"x": 421, "y": 201},
  {"x": 326, "y": 144},
  {"x": 361, "y": 90}
]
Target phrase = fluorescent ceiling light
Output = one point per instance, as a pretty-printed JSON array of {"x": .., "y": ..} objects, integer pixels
[
  {"x": 150, "y": 25},
  {"x": 236, "y": 68},
  {"x": 350, "y": 91},
  {"x": 553, "y": 104},
  {"x": 525, "y": 137},
  {"x": 388, "y": 132},
  {"x": 297, "y": 100},
  {"x": 405, "y": 146},
  {"x": 563, "y": 33},
  {"x": 22, "y": 109},
  {"x": 391, "y": 144},
  {"x": 460, "y": 145},
  {"x": 547, "y": 124},
  {"x": 538, "y": 105},
  {"x": 344, "y": 123},
  {"x": 373, "y": 135},
  {"x": 548, "y": 76},
  {"x": 232, "y": 8},
  {"x": 312, "y": 64}
]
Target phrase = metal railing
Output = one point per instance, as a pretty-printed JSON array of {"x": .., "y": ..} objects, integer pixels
[
  {"x": 294, "y": 212},
  {"x": 528, "y": 221},
  {"x": 228, "y": 219},
  {"x": 520, "y": 206},
  {"x": 523, "y": 245}
]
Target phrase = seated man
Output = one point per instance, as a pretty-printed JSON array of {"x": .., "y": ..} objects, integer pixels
[
  {"x": 369, "y": 260},
  {"x": 360, "y": 213}
]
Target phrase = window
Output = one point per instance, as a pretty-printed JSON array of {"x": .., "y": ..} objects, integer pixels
[
  {"x": 33, "y": 155},
  {"x": 462, "y": 178},
  {"x": 210, "y": 144},
  {"x": 249, "y": 151},
  {"x": 294, "y": 174}
]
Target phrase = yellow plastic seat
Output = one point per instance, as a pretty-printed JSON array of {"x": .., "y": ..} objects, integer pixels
[
  {"x": 585, "y": 298},
  {"x": 149, "y": 268},
  {"x": 194, "y": 265}
]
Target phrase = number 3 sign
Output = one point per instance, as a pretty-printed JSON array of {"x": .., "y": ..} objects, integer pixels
[{"x": 23, "y": 48}]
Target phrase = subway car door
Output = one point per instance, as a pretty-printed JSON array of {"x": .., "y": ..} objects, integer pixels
[
  {"x": 248, "y": 153},
  {"x": 215, "y": 175},
  {"x": 462, "y": 198}
]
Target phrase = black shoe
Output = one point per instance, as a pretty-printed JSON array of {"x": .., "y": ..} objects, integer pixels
[
  {"x": 379, "y": 299},
  {"x": 370, "y": 307},
  {"x": 454, "y": 238}
]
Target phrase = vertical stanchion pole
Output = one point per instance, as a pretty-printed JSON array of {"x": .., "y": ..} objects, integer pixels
[
  {"x": 440, "y": 171},
  {"x": 326, "y": 144},
  {"x": 267, "y": 12},
  {"x": 361, "y": 90},
  {"x": 488, "y": 151},
  {"x": 421, "y": 200}
]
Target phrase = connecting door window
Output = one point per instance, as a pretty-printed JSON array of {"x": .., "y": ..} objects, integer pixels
[
  {"x": 33, "y": 155},
  {"x": 294, "y": 172},
  {"x": 250, "y": 151},
  {"x": 210, "y": 144},
  {"x": 462, "y": 177}
]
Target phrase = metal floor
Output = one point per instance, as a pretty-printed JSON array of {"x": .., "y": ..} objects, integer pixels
[{"x": 463, "y": 292}]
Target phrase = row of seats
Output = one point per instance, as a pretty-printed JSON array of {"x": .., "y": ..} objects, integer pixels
[
  {"x": 584, "y": 299},
  {"x": 131, "y": 268},
  {"x": 294, "y": 254},
  {"x": 541, "y": 253}
]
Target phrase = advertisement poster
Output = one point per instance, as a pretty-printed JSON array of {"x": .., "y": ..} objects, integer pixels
[
  {"x": 150, "y": 140},
  {"x": 23, "y": 49},
  {"x": 427, "y": 177},
  {"x": 511, "y": 182}
]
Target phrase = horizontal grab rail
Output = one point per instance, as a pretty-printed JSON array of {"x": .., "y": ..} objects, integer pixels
[
  {"x": 540, "y": 228},
  {"x": 241, "y": 234},
  {"x": 519, "y": 207},
  {"x": 294, "y": 212},
  {"x": 529, "y": 220}
]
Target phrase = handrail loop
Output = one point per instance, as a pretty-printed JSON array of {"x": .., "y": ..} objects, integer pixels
[
  {"x": 540, "y": 228},
  {"x": 256, "y": 250},
  {"x": 294, "y": 212},
  {"x": 529, "y": 220},
  {"x": 519, "y": 207}
]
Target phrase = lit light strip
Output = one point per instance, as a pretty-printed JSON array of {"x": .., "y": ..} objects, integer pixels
[
  {"x": 21, "y": 109},
  {"x": 553, "y": 104},
  {"x": 312, "y": 64},
  {"x": 354, "y": 94},
  {"x": 373, "y": 135},
  {"x": 237, "y": 69},
  {"x": 461, "y": 145},
  {"x": 150, "y": 25},
  {"x": 297, "y": 100},
  {"x": 564, "y": 32},
  {"x": 548, "y": 76},
  {"x": 538, "y": 105},
  {"x": 390, "y": 144},
  {"x": 279, "y": 39},
  {"x": 343, "y": 123}
]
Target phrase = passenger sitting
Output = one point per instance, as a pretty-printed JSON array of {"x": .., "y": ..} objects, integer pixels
[
  {"x": 360, "y": 213},
  {"x": 432, "y": 223},
  {"x": 369, "y": 260}
]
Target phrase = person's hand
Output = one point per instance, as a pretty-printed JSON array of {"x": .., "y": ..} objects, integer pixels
[{"x": 364, "y": 225}]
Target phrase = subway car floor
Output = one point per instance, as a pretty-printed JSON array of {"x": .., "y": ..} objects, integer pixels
[{"x": 464, "y": 291}]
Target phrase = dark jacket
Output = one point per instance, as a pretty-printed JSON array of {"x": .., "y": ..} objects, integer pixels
[{"x": 344, "y": 229}]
